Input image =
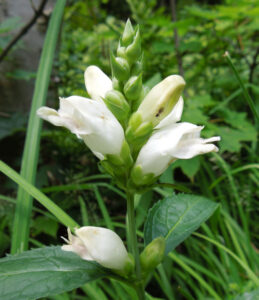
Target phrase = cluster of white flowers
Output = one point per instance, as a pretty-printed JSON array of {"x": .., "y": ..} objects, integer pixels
[{"x": 92, "y": 121}]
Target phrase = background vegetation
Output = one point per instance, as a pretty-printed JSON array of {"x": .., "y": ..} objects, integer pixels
[{"x": 191, "y": 41}]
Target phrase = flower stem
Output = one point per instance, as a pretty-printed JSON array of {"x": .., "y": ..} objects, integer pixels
[{"x": 133, "y": 244}]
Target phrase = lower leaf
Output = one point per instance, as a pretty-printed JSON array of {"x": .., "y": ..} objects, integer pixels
[{"x": 44, "y": 272}]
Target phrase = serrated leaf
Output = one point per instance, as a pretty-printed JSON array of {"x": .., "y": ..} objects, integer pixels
[
  {"x": 176, "y": 217},
  {"x": 231, "y": 138},
  {"x": 44, "y": 272}
]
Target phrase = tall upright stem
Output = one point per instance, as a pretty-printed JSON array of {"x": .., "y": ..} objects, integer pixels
[{"x": 133, "y": 244}]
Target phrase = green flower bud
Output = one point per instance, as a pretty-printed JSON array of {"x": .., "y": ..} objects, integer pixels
[
  {"x": 128, "y": 34},
  {"x": 133, "y": 51},
  {"x": 153, "y": 254},
  {"x": 120, "y": 68},
  {"x": 133, "y": 87},
  {"x": 117, "y": 104}
]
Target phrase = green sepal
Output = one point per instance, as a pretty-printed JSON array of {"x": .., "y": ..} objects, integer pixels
[
  {"x": 126, "y": 155},
  {"x": 152, "y": 255},
  {"x": 133, "y": 51},
  {"x": 139, "y": 136},
  {"x": 136, "y": 68},
  {"x": 133, "y": 87},
  {"x": 117, "y": 104},
  {"x": 128, "y": 268},
  {"x": 128, "y": 34},
  {"x": 117, "y": 85},
  {"x": 139, "y": 179},
  {"x": 120, "y": 68},
  {"x": 121, "y": 51}
]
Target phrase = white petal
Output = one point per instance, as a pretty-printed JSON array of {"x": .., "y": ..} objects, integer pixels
[
  {"x": 97, "y": 83},
  {"x": 53, "y": 116},
  {"x": 176, "y": 141},
  {"x": 174, "y": 116},
  {"x": 77, "y": 246},
  {"x": 161, "y": 99},
  {"x": 104, "y": 246},
  {"x": 90, "y": 120},
  {"x": 191, "y": 146}
]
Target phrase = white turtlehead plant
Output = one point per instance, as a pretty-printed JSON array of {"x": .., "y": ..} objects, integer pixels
[
  {"x": 98, "y": 244},
  {"x": 89, "y": 119},
  {"x": 171, "y": 140}
]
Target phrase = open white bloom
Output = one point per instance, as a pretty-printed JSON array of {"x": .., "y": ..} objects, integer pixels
[
  {"x": 99, "y": 244},
  {"x": 89, "y": 119},
  {"x": 171, "y": 141}
]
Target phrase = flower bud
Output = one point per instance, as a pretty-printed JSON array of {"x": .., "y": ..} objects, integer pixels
[
  {"x": 133, "y": 87},
  {"x": 128, "y": 34},
  {"x": 117, "y": 104},
  {"x": 153, "y": 254},
  {"x": 99, "y": 244},
  {"x": 133, "y": 51},
  {"x": 138, "y": 131},
  {"x": 160, "y": 101},
  {"x": 120, "y": 68}
]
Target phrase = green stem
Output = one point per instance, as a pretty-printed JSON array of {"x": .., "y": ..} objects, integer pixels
[{"x": 133, "y": 244}]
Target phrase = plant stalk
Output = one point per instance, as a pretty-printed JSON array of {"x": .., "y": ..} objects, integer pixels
[{"x": 133, "y": 244}]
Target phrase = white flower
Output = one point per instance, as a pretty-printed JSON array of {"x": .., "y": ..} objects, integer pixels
[
  {"x": 89, "y": 119},
  {"x": 99, "y": 244},
  {"x": 162, "y": 98},
  {"x": 171, "y": 141}
]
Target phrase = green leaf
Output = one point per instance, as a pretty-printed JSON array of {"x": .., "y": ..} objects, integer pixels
[
  {"x": 231, "y": 138},
  {"x": 176, "y": 217},
  {"x": 45, "y": 225},
  {"x": 254, "y": 295},
  {"x": 189, "y": 167},
  {"x": 12, "y": 124},
  {"x": 44, "y": 272}
]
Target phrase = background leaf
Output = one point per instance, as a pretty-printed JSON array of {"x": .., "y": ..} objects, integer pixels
[
  {"x": 44, "y": 272},
  {"x": 176, "y": 217},
  {"x": 254, "y": 295}
]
